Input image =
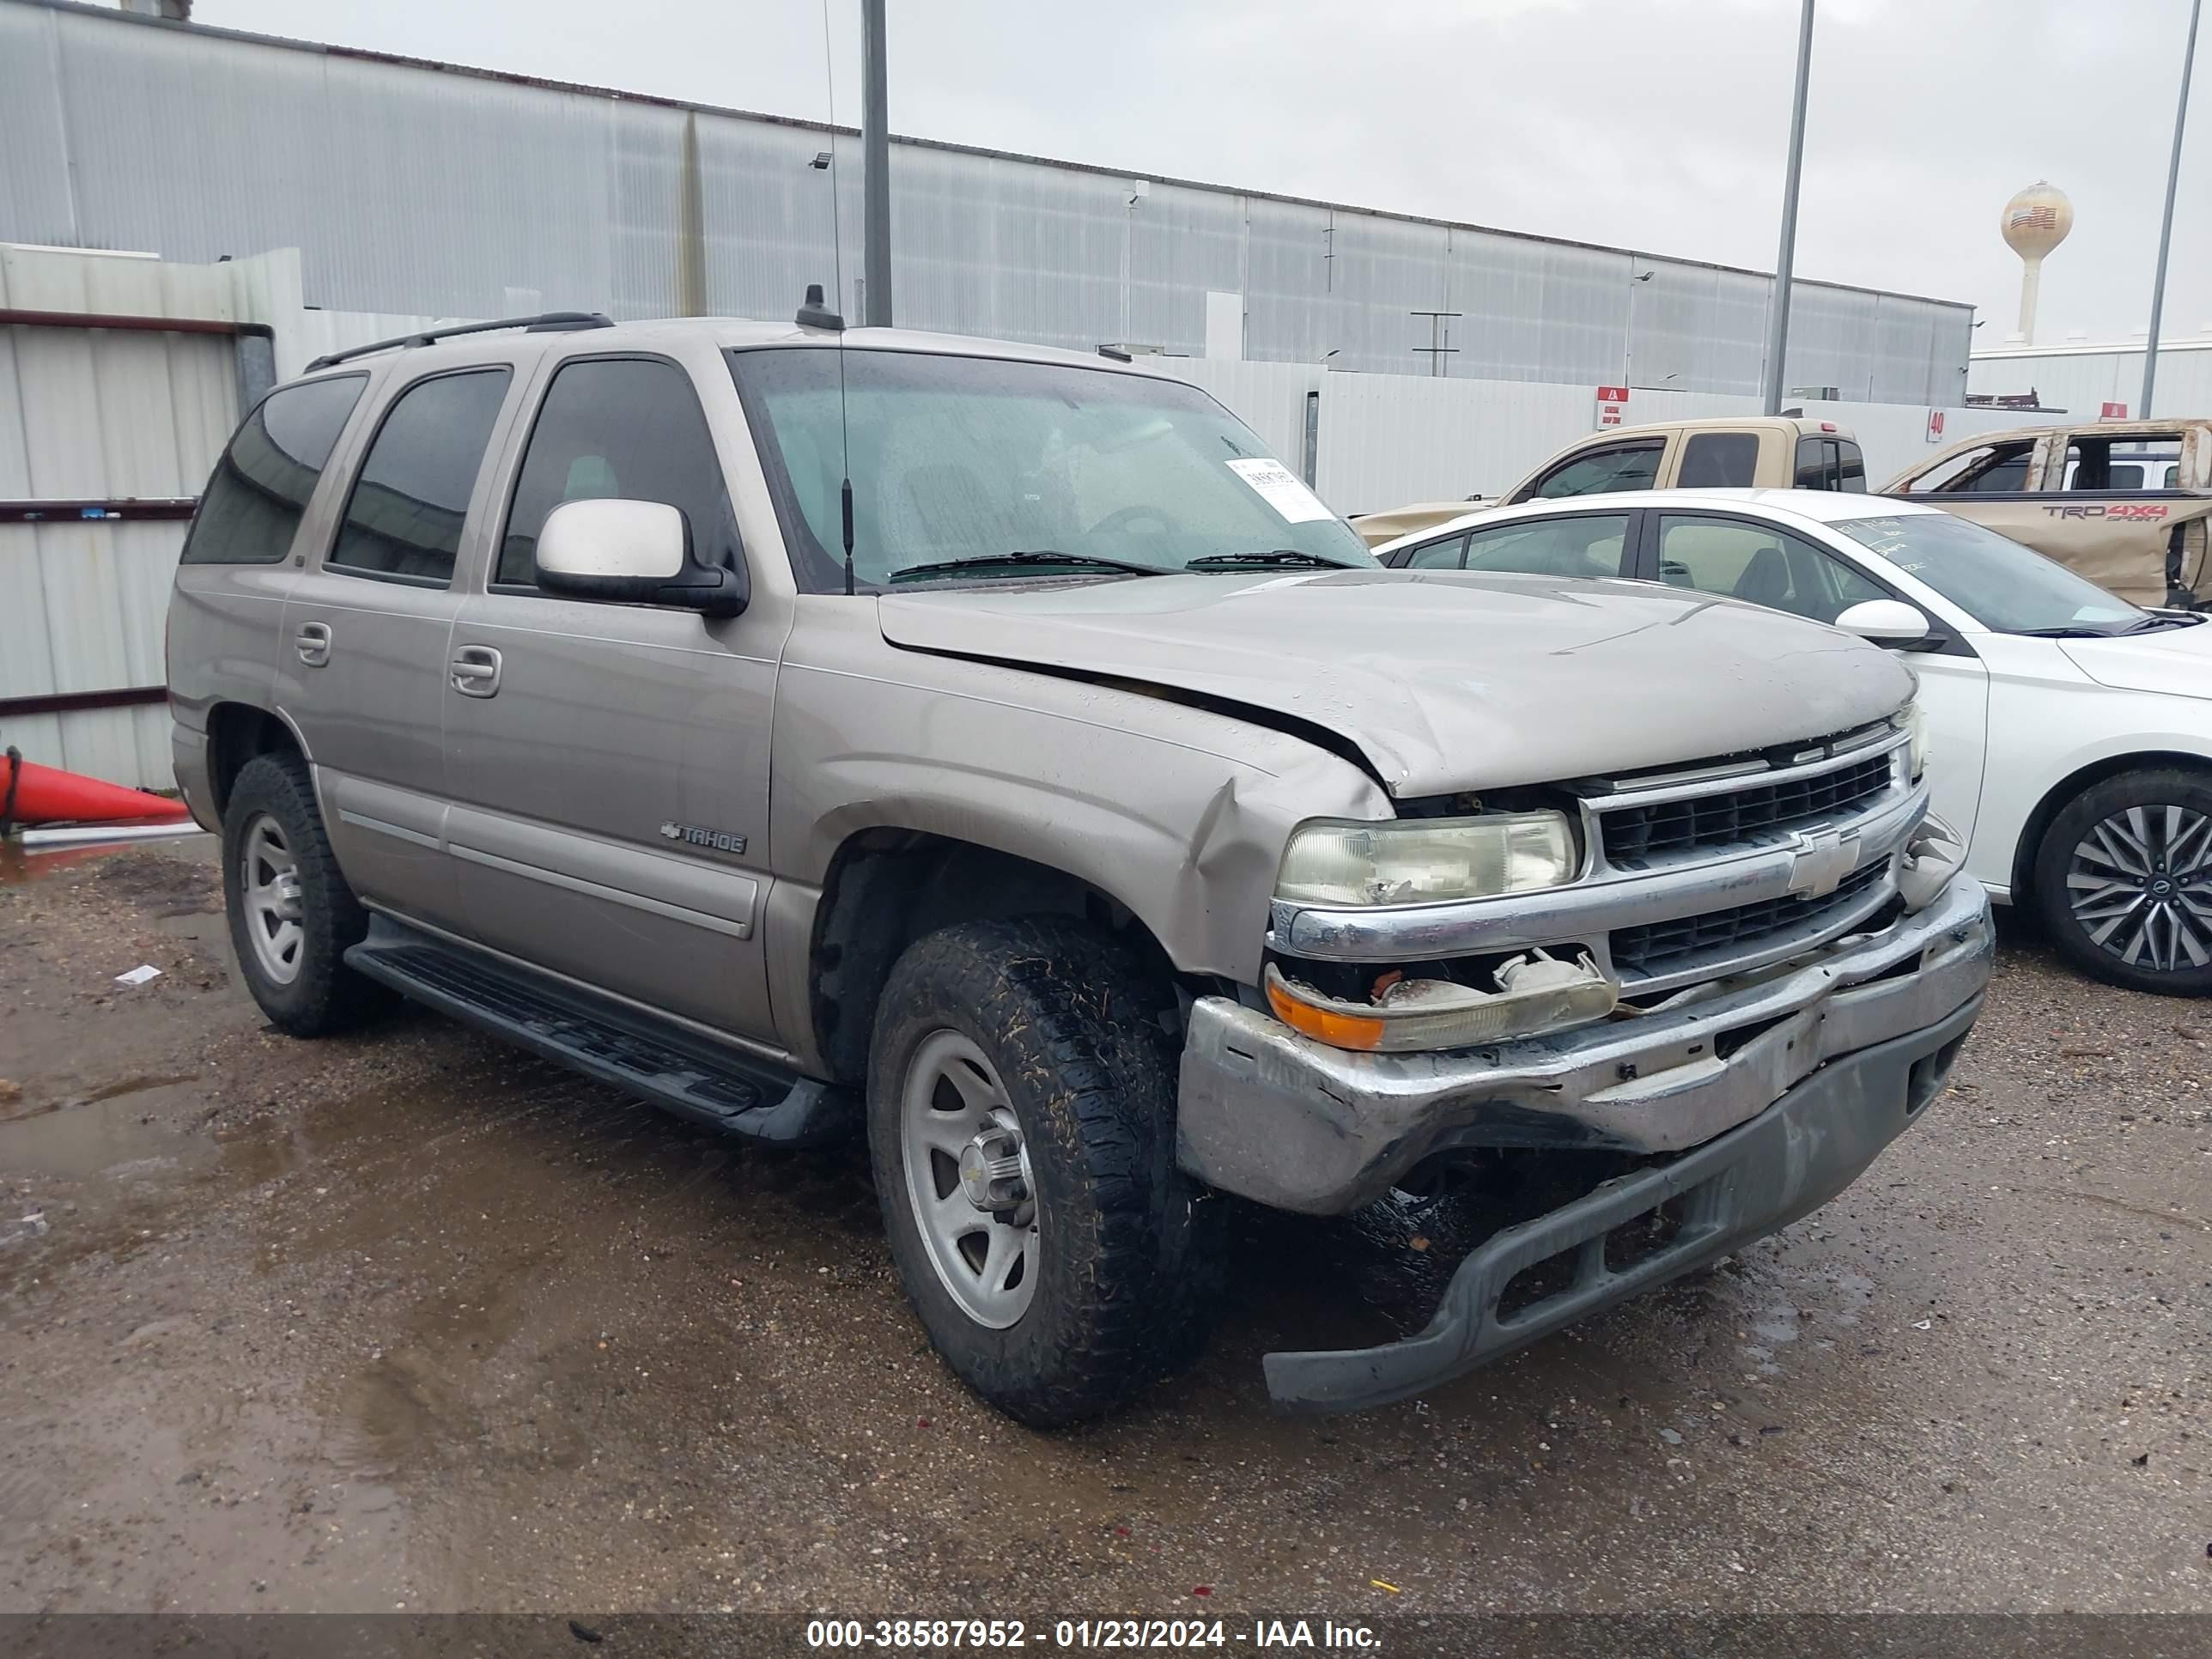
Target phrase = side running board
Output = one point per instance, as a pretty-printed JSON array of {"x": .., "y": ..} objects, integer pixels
[{"x": 685, "y": 1074}]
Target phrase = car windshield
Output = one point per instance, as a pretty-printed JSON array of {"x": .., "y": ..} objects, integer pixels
[
  {"x": 957, "y": 463},
  {"x": 2008, "y": 588}
]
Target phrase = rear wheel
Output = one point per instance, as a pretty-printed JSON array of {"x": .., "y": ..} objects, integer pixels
[
  {"x": 2122, "y": 881},
  {"x": 291, "y": 916},
  {"x": 1021, "y": 1099}
]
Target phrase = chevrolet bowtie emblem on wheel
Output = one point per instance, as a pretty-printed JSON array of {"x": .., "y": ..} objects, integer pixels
[
  {"x": 1824, "y": 857},
  {"x": 694, "y": 834}
]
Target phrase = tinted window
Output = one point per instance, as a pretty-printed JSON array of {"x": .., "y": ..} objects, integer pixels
[
  {"x": 404, "y": 516},
  {"x": 629, "y": 428},
  {"x": 1759, "y": 565},
  {"x": 1853, "y": 479},
  {"x": 1586, "y": 544},
  {"x": 1434, "y": 556},
  {"x": 253, "y": 503},
  {"x": 1720, "y": 460},
  {"x": 1625, "y": 466},
  {"x": 2006, "y": 476},
  {"x": 1816, "y": 464}
]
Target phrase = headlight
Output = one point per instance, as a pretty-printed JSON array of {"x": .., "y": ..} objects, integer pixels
[
  {"x": 1419, "y": 861},
  {"x": 1914, "y": 719}
]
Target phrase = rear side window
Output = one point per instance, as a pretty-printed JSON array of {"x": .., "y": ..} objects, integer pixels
[
  {"x": 1584, "y": 544},
  {"x": 1851, "y": 479},
  {"x": 1443, "y": 554},
  {"x": 1624, "y": 466},
  {"x": 1720, "y": 460},
  {"x": 1816, "y": 464},
  {"x": 625, "y": 427},
  {"x": 404, "y": 518},
  {"x": 253, "y": 504}
]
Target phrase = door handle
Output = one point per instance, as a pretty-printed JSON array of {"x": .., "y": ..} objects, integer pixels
[
  {"x": 312, "y": 642},
  {"x": 475, "y": 671}
]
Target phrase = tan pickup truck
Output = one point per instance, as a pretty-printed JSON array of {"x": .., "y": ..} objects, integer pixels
[
  {"x": 1762, "y": 452},
  {"x": 2125, "y": 503}
]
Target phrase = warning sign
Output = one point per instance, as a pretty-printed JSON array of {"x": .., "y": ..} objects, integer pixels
[
  {"x": 2114, "y": 412},
  {"x": 1611, "y": 405}
]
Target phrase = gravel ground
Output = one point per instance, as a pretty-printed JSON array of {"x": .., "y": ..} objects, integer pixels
[{"x": 408, "y": 1321}]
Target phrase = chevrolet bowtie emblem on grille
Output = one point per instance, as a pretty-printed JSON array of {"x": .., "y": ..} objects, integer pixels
[
  {"x": 711, "y": 841},
  {"x": 1824, "y": 857}
]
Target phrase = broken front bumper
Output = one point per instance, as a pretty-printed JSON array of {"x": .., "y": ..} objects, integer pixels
[
  {"x": 1294, "y": 1124},
  {"x": 1793, "y": 1157}
]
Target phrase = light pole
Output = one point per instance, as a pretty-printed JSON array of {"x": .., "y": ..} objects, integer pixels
[
  {"x": 875, "y": 169},
  {"x": 1777, "y": 315},
  {"x": 1636, "y": 280},
  {"x": 2165, "y": 225}
]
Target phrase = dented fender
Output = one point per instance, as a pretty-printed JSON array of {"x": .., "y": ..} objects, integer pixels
[{"x": 1178, "y": 813}]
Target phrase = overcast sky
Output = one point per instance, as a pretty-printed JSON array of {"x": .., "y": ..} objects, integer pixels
[{"x": 1656, "y": 124}]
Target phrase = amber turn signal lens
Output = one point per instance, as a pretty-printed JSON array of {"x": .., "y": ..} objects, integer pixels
[{"x": 1323, "y": 1025}]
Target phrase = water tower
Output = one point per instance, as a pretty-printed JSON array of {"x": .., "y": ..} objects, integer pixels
[{"x": 2035, "y": 222}]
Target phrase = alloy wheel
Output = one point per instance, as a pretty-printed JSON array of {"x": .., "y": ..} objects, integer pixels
[{"x": 2140, "y": 886}]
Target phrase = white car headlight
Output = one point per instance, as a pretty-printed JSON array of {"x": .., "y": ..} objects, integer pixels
[
  {"x": 1913, "y": 720},
  {"x": 1422, "y": 861}
]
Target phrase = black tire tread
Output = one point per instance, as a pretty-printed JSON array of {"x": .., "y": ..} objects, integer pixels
[
  {"x": 1070, "y": 1016},
  {"x": 328, "y": 997}
]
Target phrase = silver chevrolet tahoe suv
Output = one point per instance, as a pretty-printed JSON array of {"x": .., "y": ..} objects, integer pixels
[{"x": 993, "y": 751}]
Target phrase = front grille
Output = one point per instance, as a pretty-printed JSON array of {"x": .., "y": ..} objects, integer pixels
[
  {"x": 1647, "y": 951},
  {"x": 1633, "y": 836}
]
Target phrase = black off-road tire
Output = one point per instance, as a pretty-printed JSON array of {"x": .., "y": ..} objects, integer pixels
[
  {"x": 326, "y": 996},
  {"x": 1129, "y": 1248},
  {"x": 2150, "y": 788}
]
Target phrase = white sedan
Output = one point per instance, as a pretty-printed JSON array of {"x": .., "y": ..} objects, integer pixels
[{"x": 2070, "y": 733}]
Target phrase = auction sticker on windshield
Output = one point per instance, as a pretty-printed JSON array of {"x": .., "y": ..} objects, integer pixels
[{"x": 1281, "y": 490}]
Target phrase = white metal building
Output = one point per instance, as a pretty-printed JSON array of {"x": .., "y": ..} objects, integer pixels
[
  {"x": 419, "y": 188},
  {"x": 2081, "y": 379}
]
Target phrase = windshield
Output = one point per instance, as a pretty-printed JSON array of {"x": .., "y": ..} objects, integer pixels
[
  {"x": 2006, "y": 587},
  {"x": 956, "y": 458}
]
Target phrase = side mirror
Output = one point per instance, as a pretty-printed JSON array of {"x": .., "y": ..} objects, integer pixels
[
  {"x": 633, "y": 552},
  {"x": 1885, "y": 622}
]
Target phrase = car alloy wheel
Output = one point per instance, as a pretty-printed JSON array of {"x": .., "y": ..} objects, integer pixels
[{"x": 2140, "y": 886}]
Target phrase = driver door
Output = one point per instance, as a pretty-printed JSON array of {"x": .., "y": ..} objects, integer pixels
[{"x": 608, "y": 763}]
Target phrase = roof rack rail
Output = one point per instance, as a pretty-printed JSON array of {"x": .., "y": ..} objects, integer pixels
[{"x": 548, "y": 322}]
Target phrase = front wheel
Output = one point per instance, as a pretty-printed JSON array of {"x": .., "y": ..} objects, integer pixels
[
  {"x": 2122, "y": 881},
  {"x": 1021, "y": 1098}
]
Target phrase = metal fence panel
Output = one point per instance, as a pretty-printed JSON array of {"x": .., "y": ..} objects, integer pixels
[{"x": 417, "y": 187}]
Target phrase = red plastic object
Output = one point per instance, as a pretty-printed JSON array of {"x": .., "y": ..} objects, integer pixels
[{"x": 31, "y": 793}]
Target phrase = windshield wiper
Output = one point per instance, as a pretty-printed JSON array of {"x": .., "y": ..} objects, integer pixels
[
  {"x": 1025, "y": 559},
  {"x": 2160, "y": 619},
  {"x": 2073, "y": 631},
  {"x": 1277, "y": 556}
]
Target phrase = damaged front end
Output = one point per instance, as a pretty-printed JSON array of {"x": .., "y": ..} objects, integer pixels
[{"x": 1740, "y": 980}]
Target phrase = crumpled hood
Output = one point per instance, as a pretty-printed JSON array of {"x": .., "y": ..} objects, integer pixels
[
  {"x": 2177, "y": 660},
  {"x": 1445, "y": 681}
]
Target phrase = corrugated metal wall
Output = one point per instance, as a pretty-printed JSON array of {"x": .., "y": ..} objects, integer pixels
[
  {"x": 93, "y": 413},
  {"x": 2082, "y": 382},
  {"x": 413, "y": 189}
]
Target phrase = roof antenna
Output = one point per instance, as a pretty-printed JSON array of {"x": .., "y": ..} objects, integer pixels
[{"x": 815, "y": 315}]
